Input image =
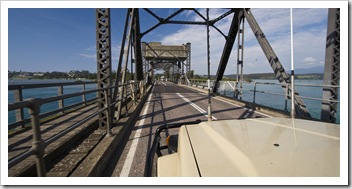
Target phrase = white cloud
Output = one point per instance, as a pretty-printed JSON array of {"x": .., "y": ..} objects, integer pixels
[
  {"x": 90, "y": 52},
  {"x": 309, "y": 59},
  {"x": 94, "y": 56}
]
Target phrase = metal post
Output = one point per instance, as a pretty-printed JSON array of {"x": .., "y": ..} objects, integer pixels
[
  {"x": 108, "y": 124},
  {"x": 172, "y": 73},
  {"x": 255, "y": 90},
  {"x": 208, "y": 55},
  {"x": 235, "y": 91},
  {"x": 286, "y": 96},
  {"x": 84, "y": 98},
  {"x": 38, "y": 144},
  {"x": 19, "y": 112},
  {"x": 59, "y": 93},
  {"x": 293, "y": 113},
  {"x": 188, "y": 62},
  {"x": 132, "y": 61},
  {"x": 240, "y": 50}
]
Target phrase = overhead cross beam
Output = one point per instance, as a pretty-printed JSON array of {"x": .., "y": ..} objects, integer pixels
[{"x": 168, "y": 20}]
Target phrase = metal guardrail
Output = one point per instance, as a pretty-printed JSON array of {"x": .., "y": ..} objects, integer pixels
[
  {"x": 34, "y": 104},
  {"x": 18, "y": 97},
  {"x": 287, "y": 95},
  {"x": 201, "y": 83},
  {"x": 238, "y": 91}
]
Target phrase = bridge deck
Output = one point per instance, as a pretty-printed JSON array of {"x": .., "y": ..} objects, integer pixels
[
  {"x": 170, "y": 103},
  {"x": 166, "y": 104}
]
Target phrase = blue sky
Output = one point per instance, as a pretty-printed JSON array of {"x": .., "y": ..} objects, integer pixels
[{"x": 64, "y": 39}]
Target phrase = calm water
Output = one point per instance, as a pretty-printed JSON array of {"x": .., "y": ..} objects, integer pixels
[
  {"x": 47, "y": 92},
  {"x": 275, "y": 101},
  {"x": 278, "y": 101}
]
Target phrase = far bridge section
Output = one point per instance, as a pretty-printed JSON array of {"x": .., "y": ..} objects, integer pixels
[{"x": 175, "y": 60}]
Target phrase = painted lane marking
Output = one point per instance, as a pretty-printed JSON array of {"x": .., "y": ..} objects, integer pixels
[
  {"x": 195, "y": 106},
  {"x": 163, "y": 83},
  {"x": 129, "y": 159},
  {"x": 250, "y": 110}
]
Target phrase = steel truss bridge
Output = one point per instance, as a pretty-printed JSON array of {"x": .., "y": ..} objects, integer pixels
[
  {"x": 117, "y": 95},
  {"x": 147, "y": 58}
]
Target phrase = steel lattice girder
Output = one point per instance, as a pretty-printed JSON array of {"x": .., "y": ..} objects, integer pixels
[
  {"x": 125, "y": 47},
  {"x": 137, "y": 46},
  {"x": 332, "y": 67},
  {"x": 103, "y": 43},
  {"x": 281, "y": 75},
  {"x": 228, "y": 47}
]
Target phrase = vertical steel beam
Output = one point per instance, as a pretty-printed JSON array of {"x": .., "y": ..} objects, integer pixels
[
  {"x": 188, "y": 61},
  {"x": 240, "y": 49},
  {"x": 118, "y": 72},
  {"x": 208, "y": 65},
  {"x": 18, "y": 94},
  {"x": 332, "y": 67},
  {"x": 137, "y": 46},
  {"x": 103, "y": 45},
  {"x": 59, "y": 93},
  {"x": 126, "y": 48},
  {"x": 145, "y": 64},
  {"x": 84, "y": 97},
  {"x": 281, "y": 75},
  {"x": 230, "y": 40}
]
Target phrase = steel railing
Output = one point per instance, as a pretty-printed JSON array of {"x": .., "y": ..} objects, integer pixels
[
  {"x": 239, "y": 91},
  {"x": 34, "y": 104},
  {"x": 18, "y": 90}
]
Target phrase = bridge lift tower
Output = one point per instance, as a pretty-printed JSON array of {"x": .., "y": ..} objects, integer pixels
[
  {"x": 173, "y": 59},
  {"x": 153, "y": 57}
]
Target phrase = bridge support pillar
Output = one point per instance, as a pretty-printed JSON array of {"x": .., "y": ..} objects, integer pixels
[
  {"x": 332, "y": 68},
  {"x": 103, "y": 45}
]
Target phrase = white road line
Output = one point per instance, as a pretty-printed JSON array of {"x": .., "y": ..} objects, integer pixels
[
  {"x": 163, "y": 83},
  {"x": 129, "y": 159},
  {"x": 195, "y": 106},
  {"x": 243, "y": 107},
  {"x": 250, "y": 110}
]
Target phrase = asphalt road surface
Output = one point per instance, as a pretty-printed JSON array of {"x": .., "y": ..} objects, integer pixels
[{"x": 169, "y": 103}]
